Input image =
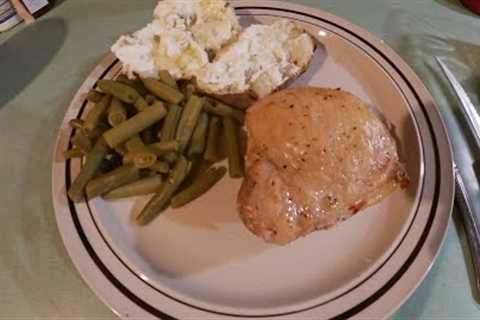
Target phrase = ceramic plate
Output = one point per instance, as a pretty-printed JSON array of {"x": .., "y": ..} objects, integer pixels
[{"x": 201, "y": 262}]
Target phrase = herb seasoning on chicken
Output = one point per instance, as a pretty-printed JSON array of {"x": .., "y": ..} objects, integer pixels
[{"x": 314, "y": 157}]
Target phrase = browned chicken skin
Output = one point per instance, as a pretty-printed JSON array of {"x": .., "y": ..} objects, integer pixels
[{"x": 314, "y": 157}]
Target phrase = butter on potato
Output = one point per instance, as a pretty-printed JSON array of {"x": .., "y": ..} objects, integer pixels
[
  {"x": 211, "y": 22},
  {"x": 262, "y": 59},
  {"x": 178, "y": 39}
]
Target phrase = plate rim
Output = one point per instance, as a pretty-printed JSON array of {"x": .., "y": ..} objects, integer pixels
[{"x": 302, "y": 10}]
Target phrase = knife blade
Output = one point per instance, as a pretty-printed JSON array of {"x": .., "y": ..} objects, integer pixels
[{"x": 466, "y": 106}]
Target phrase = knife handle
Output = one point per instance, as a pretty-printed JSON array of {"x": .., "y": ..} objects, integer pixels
[{"x": 471, "y": 224}]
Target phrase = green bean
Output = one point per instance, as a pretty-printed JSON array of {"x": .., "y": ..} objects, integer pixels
[
  {"x": 160, "y": 167},
  {"x": 110, "y": 162},
  {"x": 78, "y": 124},
  {"x": 117, "y": 113},
  {"x": 147, "y": 173},
  {"x": 97, "y": 113},
  {"x": 144, "y": 159},
  {"x": 188, "y": 121},
  {"x": 161, "y": 199},
  {"x": 123, "y": 78},
  {"x": 138, "y": 153},
  {"x": 141, "y": 104},
  {"x": 140, "y": 87},
  {"x": 233, "y": 152},
  {"x": 163, "y": 91},
  {"x": 134, "y": 125},
  {"x": 162, "y": 148},
  {"x": 189, "y": 90},
  {"x": 170, "y": 157},
  {"x": 143, "y": 186},
  {"x": 73, "y": 153},
  {"x": 169, "y": 128},
  {"x": 150, "y": 99},
  {"x": 94, "y": 96},
  {"x": 122, "y": 91},
  {"x": 199, "y": 165},
  {"x": 158, "y": 103},
  {"x": 189, "y": 168},
  {"x": 135, "y": 84},
  {"x": 81, "y": 141},
  {"x": 166, "y": 78},
  {"x": 92, "y": 164},
  {"x": 121, "y": 150},
  {"x": 221, "y": 109},
  {"x": 134, "y": 144},
  {"x": 97, "y": 132},
  {"x": 201, "y": 185},
  {"x": 213, "y": 139},
  {"x": 128, "y": 157},
  {"x": 222, "y": 147},
  {"x": 197, "y": 145},
  {"x": 149, "y": 135},
  {"x": 111, "y": 180}
]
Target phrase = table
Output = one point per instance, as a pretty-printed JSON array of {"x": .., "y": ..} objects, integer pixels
[{"x": 41, "y": 67}]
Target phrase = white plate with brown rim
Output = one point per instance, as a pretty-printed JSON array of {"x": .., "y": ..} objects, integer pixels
[{"x": 201, "y": 262}]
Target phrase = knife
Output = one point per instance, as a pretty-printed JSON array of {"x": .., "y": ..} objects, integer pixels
[{"x": 462, "y": 199}]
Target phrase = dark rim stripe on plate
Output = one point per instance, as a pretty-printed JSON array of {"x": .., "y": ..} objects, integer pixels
[{"x": 147, "y": 307}]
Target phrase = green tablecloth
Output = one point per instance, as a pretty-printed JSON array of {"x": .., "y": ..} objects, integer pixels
[{"x": 42, "y": 66}]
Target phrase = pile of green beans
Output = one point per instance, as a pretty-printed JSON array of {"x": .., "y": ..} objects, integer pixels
[{"x": 153, "y": 136}]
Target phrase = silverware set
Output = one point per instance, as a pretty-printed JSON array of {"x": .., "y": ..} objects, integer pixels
[{"x": 463, "y": 200}]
